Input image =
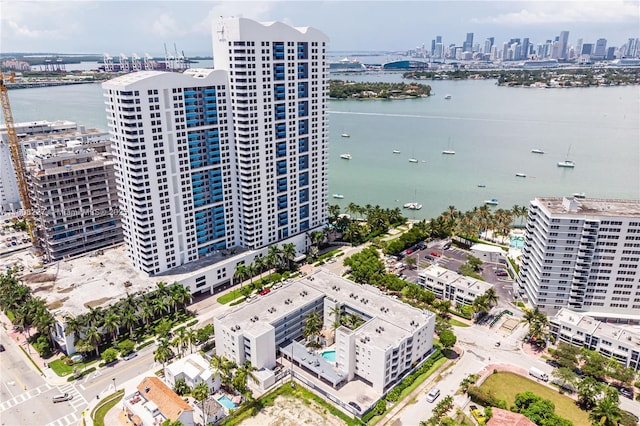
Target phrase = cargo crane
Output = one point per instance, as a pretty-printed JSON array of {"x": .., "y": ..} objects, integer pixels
[{"x": 16, "y": 156}]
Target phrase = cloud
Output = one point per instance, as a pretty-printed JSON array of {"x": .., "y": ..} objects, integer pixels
[
  {"x": 165, "y": 25},
  {"x": 566, "y": 12}
]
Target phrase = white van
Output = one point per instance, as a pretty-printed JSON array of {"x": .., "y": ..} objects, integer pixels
[
  {"x": 538, "y": 374},
  {"x": 433, "y": 394}
]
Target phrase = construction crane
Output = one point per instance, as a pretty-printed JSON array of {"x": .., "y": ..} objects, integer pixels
[{"x": 16, "y": 156}]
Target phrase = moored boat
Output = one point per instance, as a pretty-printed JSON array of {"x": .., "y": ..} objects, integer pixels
[
  {"x": 482, "y": 185},
  {"x": 520, "y": 175},
  {"x": 566, "y": 163},
  {"x": 491, "y": 202},
  {"x": 447, "y": 96},
  {"x": 395, "y": 151},
  {"x": 413, "y": 160},
  {"x": 345, "y": 135},
  {"x": 537, "y": 151},
  {"x": 412, "y": 206},
  {"x": 448, "y": 152},
  {"x": 339, "y": 196},
  {"x": 579, "y": 195},
  {"x": 345, "y": 156}
]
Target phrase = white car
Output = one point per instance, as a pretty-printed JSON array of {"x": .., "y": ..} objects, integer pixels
[{"x": 130, "y": 355}]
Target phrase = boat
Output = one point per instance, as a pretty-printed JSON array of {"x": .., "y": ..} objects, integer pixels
[
  {"x": 346, "y": 65},
  {"x": 345, "y": 156},
  {"x": 537, "y": 151},
  {"x": 491, "y": 202},
  {"x": 482, "y": 185},
  {"x": 338, "y": 196},
  {"x": 395, "y": 151},
  {"x": 448, "y": 151},
  {"x": 579, "y": 195},
  {"x": 520, "y": 175},
  {"x": 567, "y": 163},
  {"x": 413, "y": 160},
  {"x": 345, "y": 135},
  {"x": 447, "y": 96},
  {"x": 412, "y": 206}
]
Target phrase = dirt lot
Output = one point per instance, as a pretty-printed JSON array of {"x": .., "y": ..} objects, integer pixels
[{"x": 287, "y": 411}]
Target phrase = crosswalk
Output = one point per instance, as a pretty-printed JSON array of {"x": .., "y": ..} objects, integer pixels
[
  {"x": 78, "y": 403},
  {"x": 25, "y": 396}
]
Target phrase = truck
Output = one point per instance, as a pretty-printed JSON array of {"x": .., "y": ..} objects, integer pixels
[{"x": 538, "y": 374}]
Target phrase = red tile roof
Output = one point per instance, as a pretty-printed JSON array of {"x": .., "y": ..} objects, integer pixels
[
  {"x": 170, "y": 404},
  {"x": 507, "y": 418}
]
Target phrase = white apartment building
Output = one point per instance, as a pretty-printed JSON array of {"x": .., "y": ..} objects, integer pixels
[
  {"x": 449, "y": 285},
  {"x": 230, "y": 159},
  {"x": 611, "y": 341},
  {"x": 193, "y": 369},
  {"x": 583, "y": 254},
  {"x": 392, "y": 339}
]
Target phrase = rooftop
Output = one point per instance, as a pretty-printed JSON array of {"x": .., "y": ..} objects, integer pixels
[
  {"x": 395, "y": 315},
  {"x": 595, "y": 327},
  {"x": 508, "y": 418},
  {"x": 453, "y": 278},
  {"x": 170, "y": 404},
  {"x": 591, "y": 206},
  {"x": 192, "y": 365}
]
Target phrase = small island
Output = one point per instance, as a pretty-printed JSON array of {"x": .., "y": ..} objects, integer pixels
[
  {"x": 545, "y": 78},
  {"x": 339, "y": 89}
]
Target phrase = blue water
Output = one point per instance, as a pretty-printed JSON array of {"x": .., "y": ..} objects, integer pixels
[
  {"x": 228, "y": 404},
  {"x": 329, "y": 356},
  {"x": 517, "y": 242}
]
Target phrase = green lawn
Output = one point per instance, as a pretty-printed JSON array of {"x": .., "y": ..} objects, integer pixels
[
  {"x": 104, "y": 406},
  {"x": 232, "y": 295},
  {"x": 454, "y": 322},
  {"x": 62, "y": 369},
  {"x": 507, "y": 385}
]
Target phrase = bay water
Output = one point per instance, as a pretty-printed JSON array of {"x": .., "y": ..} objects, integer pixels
[{"x": 492, "y": 130}]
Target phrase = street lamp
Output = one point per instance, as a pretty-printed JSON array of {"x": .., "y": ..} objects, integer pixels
[{"x": 114, "y": 384}]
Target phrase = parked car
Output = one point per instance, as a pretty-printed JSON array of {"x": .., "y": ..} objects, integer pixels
[
  {"x": 435, "y": 254},
  {"x": 265, "y": 291},
  {"x": 433, "y": 395},
  {"x": 502, "y": 273},
  {"x": 130, "y": 355},
  {"x": 553, "y": 363},
  {"x": 626, "y": 392}
]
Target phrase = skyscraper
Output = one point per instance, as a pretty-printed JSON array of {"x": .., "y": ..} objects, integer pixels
[
  {"x": 224, "y": 160},
  {"x": 563, "y": 44},
  {"x": 467, "y": 46},
  {"x": 601, "y": 48}
]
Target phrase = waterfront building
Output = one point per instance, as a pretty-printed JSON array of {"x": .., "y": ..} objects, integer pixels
[
  {"x": 600, "y": 51},
  {"x": 74, "y": 199},
  {"x": 213, "y": 162},
  {"x": 449, "y": 285},
  {"x": 392, "y": 337},
  {"x": 582, "y": 254},
  {"x": 563, "y": 45},
  {"x": 610, "y": 340}
]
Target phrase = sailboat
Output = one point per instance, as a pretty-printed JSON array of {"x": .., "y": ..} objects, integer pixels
[
  {"x": 413, "y": 205},
  {"x": 413, "y": 158},
  {"x": 448, "y": 151},
  {"x": 567, "y": 163}
]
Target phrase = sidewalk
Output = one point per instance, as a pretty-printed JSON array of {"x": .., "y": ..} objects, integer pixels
[{"x": 21, "y": 340}]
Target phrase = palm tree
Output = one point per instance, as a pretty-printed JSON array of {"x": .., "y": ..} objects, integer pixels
[
  {"x": 95, "y": 316},
  {"x": 129, "y": 319},
  {"x": 312, "y": 325},
  {"x": 243, "y": 373},
  {"x": 336, "y": 312},
  {"x": 289, "y": 254},
  {"x": 163, "y": 352},
  {"x": 224, "y": 368},
  {"x": 112, "y": 323},
  {"x": 491, "y": 296},
  {"x": 180, "y": 294},
  {"x": 273, "y": 257},
  {"x": 191, "y": 336},
  {"x": 260, "y": 263},
  {"x": 201, "y": 392},
  {"x": 146, "y": 311},
  {"x": 73, "y": 326},
  {"x": 44, "y": 321},
  {"x": 252, "y": 271},
  {"x": 94, "y": 338},
  {"x": 606, "y": 413}
]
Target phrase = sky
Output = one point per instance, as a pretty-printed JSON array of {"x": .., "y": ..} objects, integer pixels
[{"x": 143, "y": 26}]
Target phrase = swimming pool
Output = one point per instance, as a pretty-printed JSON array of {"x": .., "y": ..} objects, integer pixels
[
  {"x": 516, "y": 242},
  {"x": 228, "y": 403},
  {"x": 329, "y": 355}
]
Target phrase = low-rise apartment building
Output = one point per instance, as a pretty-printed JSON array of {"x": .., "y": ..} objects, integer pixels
[
  {"x": 611, "y": 341},
  {"x": 386, "y": 339},
  {"x": 449, "y": 285},
  {"x": 193, "y": 369}
]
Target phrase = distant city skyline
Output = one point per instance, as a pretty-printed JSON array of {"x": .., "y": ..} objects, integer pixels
[{"x": 145, "y": 27}]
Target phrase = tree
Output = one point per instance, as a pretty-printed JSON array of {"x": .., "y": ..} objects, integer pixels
[
  {"x": 448, "y": 339},
  {"x": 312, "y": 325},
  {"x": 109, "y": 355},
  {"x": 567, "y": 355},
  {"x": 606, "y": 412},
  {"x": 201, "y": 393},
  {"x": 565, "y": 375},
  {"x": 126, "y": 347},
  {"x": 491, "y": 296},
  {"x": 289, "y": 254},
  {"x": 588, "y": 389},
  {"x": 181, "y": 387},
  {"x": 442, "y": 325},
  {"x": 163, "y": 352},
  {"x": 112, "y": 324},
  {"x": 411, "y": 262},
  {"x": 94, "y": 338},
  {"x": 169, "y": 422},
  {"x": 593, "y": 363},
  {"x": 474, "y": 263},
  {"x": 443, "y": 308}
]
